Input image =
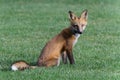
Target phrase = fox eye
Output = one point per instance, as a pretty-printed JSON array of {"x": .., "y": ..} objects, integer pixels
[{"x": 75, "y": 26}]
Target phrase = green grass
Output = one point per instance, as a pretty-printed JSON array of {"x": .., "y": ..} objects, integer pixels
[{"x": 26, "y": 25}]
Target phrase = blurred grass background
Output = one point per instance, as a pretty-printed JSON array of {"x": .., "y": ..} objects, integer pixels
[{"x": 26, "y": 26}]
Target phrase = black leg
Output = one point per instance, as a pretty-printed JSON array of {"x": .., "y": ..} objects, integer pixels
[{"x": 70, "y": 57}]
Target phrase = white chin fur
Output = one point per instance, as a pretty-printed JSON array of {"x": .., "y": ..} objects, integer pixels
[
  {"x": 14, "y": 68},
  {"x": 77, "y": 36}
]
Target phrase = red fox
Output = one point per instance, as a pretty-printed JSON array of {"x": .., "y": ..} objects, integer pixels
[{"x": 60, "y": 45}]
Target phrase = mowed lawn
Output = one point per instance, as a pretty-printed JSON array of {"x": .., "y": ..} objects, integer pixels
[{"x": 26, "y": 26}]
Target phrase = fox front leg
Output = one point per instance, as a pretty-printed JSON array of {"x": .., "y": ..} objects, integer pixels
[{"x": 70, "y": 56}]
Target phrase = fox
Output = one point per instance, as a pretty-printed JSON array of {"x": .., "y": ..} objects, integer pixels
[{"x": 60, "y": 46}]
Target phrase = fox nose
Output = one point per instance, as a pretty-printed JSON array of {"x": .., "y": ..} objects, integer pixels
[{"x": 80, "y": 32}]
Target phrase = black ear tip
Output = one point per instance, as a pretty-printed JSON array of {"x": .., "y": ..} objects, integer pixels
[{"x": 69, "y": 12}]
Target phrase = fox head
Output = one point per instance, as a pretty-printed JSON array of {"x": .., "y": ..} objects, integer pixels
[{"x": 78, "y": 24}]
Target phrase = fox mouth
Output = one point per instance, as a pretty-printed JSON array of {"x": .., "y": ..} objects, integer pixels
[
  {"x": 74, "y": 31},
  {"x": 77, "y": 31}
]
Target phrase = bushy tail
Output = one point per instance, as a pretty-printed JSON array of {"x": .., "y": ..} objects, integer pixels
[{"x": 21, "y": 65}]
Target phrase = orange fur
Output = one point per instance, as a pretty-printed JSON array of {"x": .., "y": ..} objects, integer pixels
[{"x": 63, "y": 42}]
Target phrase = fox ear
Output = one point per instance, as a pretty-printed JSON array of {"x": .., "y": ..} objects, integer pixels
[
  {"x": 84, "y": 14},
  {"x": 71, "y": 15}
]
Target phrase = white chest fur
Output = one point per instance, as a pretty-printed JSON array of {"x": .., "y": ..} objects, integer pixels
[{"x": 76, "y": 39}]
